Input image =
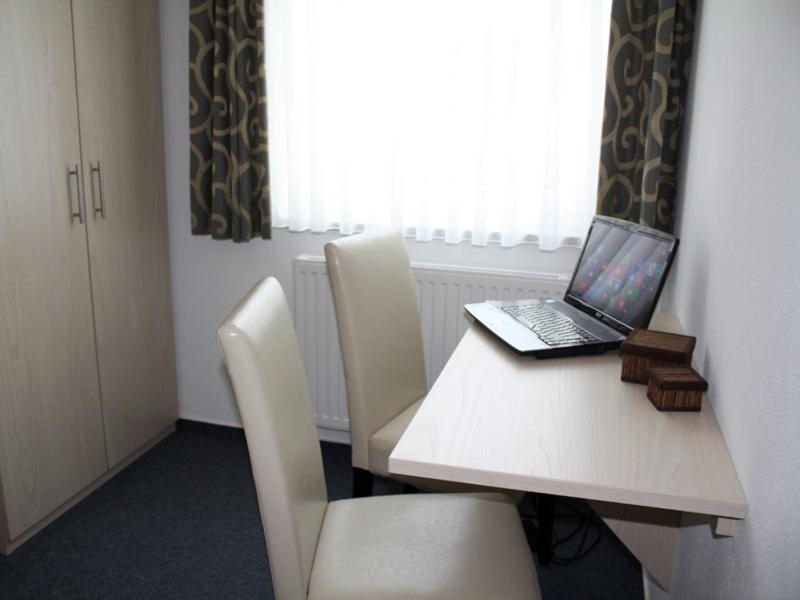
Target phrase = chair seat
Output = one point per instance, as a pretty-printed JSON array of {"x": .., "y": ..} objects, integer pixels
[
  {"x": 385, "y": 439},
  {"x": 423, "y": 546}
]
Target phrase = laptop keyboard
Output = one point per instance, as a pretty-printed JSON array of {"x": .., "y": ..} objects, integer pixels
[{"x": 552, "y": 327}]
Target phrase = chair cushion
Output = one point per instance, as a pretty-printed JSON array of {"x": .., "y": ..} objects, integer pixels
[
  {"x": 385, "y": 439},
  {"x": 423, "y": 546}
]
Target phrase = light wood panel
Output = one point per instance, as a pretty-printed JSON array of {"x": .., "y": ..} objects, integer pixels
[
  {"x": 725, "y": 527},
  {"x": 83, "y": 493},
  {"x": 51, "y": 432},
  {"x": 565, "y": 426},
  {"x": 119, "y": 93}
]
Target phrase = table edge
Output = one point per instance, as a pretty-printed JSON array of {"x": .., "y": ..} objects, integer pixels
[{"x": 734, "y": 509}]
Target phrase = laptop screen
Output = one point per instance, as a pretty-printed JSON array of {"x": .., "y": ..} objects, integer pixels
[{"x": 621, "y": 271}]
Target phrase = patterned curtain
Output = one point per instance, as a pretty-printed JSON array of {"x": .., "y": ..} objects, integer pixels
[
  {"x": 646, "y": 82},
  {"x": 228, "y": 120}
]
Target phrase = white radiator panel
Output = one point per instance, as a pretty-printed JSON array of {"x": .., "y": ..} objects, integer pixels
[{"x": 442, "y": 292}]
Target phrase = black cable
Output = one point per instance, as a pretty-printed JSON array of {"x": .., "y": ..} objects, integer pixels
[
  {"x": 574, "y": 510},
  {"x": 557, "y": 543},
  {"x": 580, "y": 553},
  {"x": 592, "y": 545},
  {"x": 587, "y": 523},
  {"x": 586, "y": 527},
  {"x": 581, "y": 517}
]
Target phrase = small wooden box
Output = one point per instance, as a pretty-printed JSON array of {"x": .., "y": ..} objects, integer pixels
[
  {"x": 644, "y": 349},
  {"x": 676, "y": 388}
]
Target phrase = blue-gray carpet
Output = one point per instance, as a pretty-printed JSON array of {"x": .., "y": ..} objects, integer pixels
[{"x": 183, "y": 522}]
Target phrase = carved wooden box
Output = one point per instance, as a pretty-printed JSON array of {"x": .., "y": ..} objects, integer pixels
[
  {"x": 644, "y": 349},
  {"x": 676, "y": 388}
]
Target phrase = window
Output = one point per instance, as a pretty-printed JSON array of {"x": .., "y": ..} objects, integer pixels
[{"x": 469, "y": 120}]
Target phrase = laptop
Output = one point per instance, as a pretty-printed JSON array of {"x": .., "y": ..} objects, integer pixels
[{"x": 614, "y": 290}]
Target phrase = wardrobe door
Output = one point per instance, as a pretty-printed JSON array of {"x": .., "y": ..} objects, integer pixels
[
  {"x": 119, "y": 94},
  {"x": 51, "y": 430}
]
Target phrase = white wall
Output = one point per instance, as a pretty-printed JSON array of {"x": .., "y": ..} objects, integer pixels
[
  {"x": 210, "y": 277},
  {"x": 737, "y": 286}
]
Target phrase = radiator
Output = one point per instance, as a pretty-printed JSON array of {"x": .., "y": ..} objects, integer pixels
[{"x": 442, "y": 292}]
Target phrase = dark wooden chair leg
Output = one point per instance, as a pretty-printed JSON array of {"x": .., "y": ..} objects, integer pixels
[
  {"x": 362, "y": 483},
  {"x": 546, "y": 507}
]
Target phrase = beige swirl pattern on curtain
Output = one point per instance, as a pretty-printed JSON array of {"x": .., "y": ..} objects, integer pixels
[
  {"x": 647, "y": 78},
  {"x": 228, "y": 120}
]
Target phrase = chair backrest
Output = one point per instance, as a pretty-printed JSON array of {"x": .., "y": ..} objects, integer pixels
[
  {"x": 379, "y": 331},
  {"x": 263, "y": 359}
]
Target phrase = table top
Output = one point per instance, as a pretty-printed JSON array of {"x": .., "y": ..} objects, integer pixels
[{"x": 566, "y": 426}]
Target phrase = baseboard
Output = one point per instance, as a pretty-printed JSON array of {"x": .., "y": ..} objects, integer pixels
[
  {"x": 336, "y": 436},
  {"x": 207, "y": 428},
  {"x": 8, "y": 548},
  {"x": 235, "y": 424}
]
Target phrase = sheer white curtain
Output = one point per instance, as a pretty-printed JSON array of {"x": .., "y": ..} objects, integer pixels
[{"x": 460, "y": 119}]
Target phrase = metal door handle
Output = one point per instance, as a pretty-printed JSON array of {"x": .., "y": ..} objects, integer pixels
[
  {"x": 76, "y": 173},
  {"x": 102, "y": 208}
]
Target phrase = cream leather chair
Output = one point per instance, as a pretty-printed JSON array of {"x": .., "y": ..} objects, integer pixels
[
  {"x": 381, "y": 340},
  {"x": 410, "y": 546}
]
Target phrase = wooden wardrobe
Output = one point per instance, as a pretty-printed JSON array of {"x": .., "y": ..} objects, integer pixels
[{"x": 87, "y": 367}]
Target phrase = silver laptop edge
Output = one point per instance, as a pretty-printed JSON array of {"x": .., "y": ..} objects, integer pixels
[{"x": 609, "y": 330}]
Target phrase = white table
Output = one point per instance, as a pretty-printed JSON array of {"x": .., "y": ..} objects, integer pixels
[{"x": 570, "y": 427}]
